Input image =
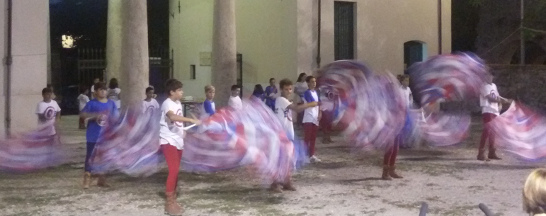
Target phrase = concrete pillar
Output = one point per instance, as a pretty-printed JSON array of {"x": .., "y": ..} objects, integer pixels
[
  {"x": 135, "y": 65},
  {"x": 113, "y": 40},
  {"x": 29, "y": 66},
  {"x": 224, "y": 50},
  {"x": 307, "y": 40}
]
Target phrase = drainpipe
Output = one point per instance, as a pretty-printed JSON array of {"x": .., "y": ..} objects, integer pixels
[
  {"x": 439, "y": 27},
  {"x": 318, "y": 33},
  {"x": 8, "y": 61}
]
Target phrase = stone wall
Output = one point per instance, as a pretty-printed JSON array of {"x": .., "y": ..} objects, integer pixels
[{"x": 523, "y": 83}]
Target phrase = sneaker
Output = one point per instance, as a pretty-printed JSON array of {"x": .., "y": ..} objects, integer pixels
[{"x": 314, "y": 159}]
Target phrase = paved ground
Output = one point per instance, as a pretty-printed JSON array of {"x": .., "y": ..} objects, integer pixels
[{"x": 449, "y": 179}]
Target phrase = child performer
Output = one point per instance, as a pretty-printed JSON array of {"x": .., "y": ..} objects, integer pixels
[
  {"x": 270, "y": 94},
  {"x": 311, "y": 118},
  {"x": 489, "y": 101},
  {"x": 171, "y": 135},
  {"x": 82, "y": 100},
  {"x": 97, "y": 111},
  {"x": 390, "y": 156},
  {"x": 150, "y": 104},
  {"x": 48, "y": 110},
  {"x": 208, "y": 105},
  {"x": 234, "y": 100},
  {"x": 283, "y": 110}
]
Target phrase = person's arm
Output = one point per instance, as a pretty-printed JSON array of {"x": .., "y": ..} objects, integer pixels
[
  {"x": 86, "y": 113},
  {"x": 299, "y": 108},
  {"x": 174, "y": 117}
]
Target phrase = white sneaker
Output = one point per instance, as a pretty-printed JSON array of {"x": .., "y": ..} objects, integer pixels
[{"x": 314, "y": 159}]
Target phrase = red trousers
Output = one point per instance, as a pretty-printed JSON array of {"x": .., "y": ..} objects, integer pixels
[
  {"x": 310, "y": 136},
  {"x": 173, "y": 156},
  {"x": 390, "y": 156},
  {"x": 486, "y": 133}
]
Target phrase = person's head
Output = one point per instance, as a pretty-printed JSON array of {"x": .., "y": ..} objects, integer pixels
[
  {"x": 235, "y": 90},
  {"x": 489, "y": 78},
  {"x": 301, "y": 77},
  {"x": 210, "y": 91},
  {"x": 149, "y": 93},
  {"x": 534, "y": 192},
  {"x": 96, "y": 80},
  {"x": 84, "y": 90},
  {"x": 173, "y": 87},
  {"x": 47, "y": 94},
  {"x": 404, "y": 80},
  {"x": 258, "y": 90},
  {"x": 272, "y": 81},
  {"x": 113, "y": 83},
  {"x": 311, "y": 82},
  {"x": 100, "y": 90},
  {"x": 286, "y": 87}
]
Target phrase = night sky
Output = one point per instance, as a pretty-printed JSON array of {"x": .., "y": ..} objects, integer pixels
[{"x": 88, "y": 18}]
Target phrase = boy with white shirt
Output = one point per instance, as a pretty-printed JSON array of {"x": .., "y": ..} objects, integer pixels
[
  {"x": 489, "y": 101},
  {"x": 283, "y": 110},
  {"x": 82, "y": 101},
  {"x": 48, "y": 110},
  {"x": 234, "y": 100},
  {"x": 150, "y": 104},
  {"x": 171, "y": 134},
  {"x": 311, "y": 118}
]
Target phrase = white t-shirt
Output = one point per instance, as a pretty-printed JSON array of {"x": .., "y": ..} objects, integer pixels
[
  {"x": 310, "y": 115},
  {"x": 171, "y": 133},
  {"x": 235, "y": 102},
  {"x": 148, "y": 106},
  {"x": 487, "y": 106},
  {"x": 408, "y": 95},
  {"x": 49, "y": 111},
  {"x": 113, "y": 94},
  {"x": 82, "y": 100},
  {"x": 285, "y": 115}
]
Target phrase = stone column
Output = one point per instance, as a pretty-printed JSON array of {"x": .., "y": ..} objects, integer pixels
[
  {"x": 113, "y": 40},
  {"x": 135, "y": 58},
  {"x": 224, "y": 50}
]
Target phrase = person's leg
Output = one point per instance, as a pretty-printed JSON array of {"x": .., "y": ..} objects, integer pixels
[
  {"x": 87, "y": 167},
  {"x": 386, "y": 159},
  {"x": 392, "y": 159},
  {"x": 313, "y": 138},
  {"x": 172, "y": 158},
  {"x": 485, "y": 135},
  {"x": 307, "y": 133},
  {"x": 492, "y": 153}
]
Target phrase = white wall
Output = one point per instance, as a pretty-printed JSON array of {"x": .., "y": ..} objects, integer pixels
[
  {"x": 382, "y": 28},
  {"x": 191, "y": 33}
]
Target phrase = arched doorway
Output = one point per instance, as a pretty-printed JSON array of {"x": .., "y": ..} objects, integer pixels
[{"x": 414, "y": 51}]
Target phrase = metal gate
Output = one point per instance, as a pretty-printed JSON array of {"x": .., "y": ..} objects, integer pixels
[{"x": 92, "y": 64}]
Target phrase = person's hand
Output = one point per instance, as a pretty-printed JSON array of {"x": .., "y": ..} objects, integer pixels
[{"x": 196, "y": 122}]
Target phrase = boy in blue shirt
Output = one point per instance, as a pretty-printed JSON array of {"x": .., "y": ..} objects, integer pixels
[
  {"x": 208, "y": 104},
  {"x": 97, "y": 111}
]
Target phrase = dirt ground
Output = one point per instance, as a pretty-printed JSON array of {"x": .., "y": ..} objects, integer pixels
[{"x": 449, "y": 179}]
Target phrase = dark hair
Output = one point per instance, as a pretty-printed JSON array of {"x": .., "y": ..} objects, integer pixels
[
  {"x": 258, "y": 90},
  {"x": 234, "y": 87},
  {"x": 308, "y": 79},
  {"x": 285, "y": 82},
  {"x": 83, "y": 88},
  {"x": 172, "y": 85},
  {"x": 271, "y": 79},
  {"x": 300, "y": 77},
  {"x": 46, "y": 90},
  {"x": 113, "y": 83},
  {"x": 149, "y": 89},
  {"x": 100, "y": 85}
]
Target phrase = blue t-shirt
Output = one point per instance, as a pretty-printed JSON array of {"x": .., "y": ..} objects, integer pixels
[
  {"x": 210, "y": 107},
  {"x": 107, "y": 110},
  {"x": 270, "y": 101}
]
